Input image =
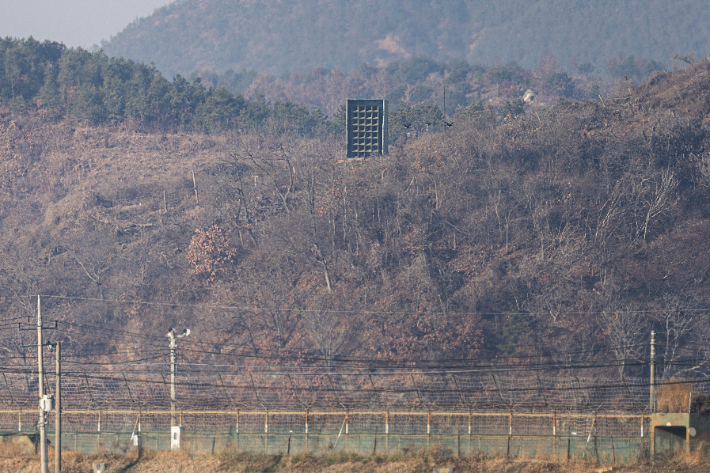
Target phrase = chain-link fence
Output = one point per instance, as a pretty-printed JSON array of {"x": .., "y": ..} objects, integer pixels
[
  {"x": 616, "y": 436},
  {"x": 462, "y": 413}
]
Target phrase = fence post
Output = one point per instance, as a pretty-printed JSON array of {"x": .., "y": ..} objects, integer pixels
[
  {"x": 237, "y": 429},
  {"x": 554, "y": 434},
  {"x": 347, "y": 424},
  {"x": 387, "y": 432},
  {"x": 266, "y": 433},
  {"x": 596, "y": 448},
  {"x": 554, "y": 423},
  {"x": 458, "y": 450},
  {"x": 510, "y": 424},
  {"x": 510, "y": 433},
  {"x": 470, "y": 431},
  {"x": 135, "y": 436},
  {"x": 428, "y": 429}
]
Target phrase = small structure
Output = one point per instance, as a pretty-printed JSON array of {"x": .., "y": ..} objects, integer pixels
[
  {"x": 683, "y": 423},
  {"x": 366, "y": 127},
  {"x": 675, "y": 432},
  {"x": 100, "y": 467},
  {"x": 175, "y": 434}
]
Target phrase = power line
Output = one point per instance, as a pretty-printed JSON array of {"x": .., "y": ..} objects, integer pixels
[
  {"x": 312, "y": 388},
  {"x": 408, "y": 360},
  {"x": 156, "y": 343},
  {"x": 107, "y": 328},
  {"x": 137, "y": 362},
  {"x": 379, "y": 370},
  {"x": 351, "y": 311},
  {"x": 376, "y": 371}
]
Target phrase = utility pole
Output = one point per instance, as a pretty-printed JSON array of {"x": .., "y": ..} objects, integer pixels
[
  {"x": 174, "y": 427},
  {"x": 653, "y": 371},
  {"x": 173, "y": 394},
  {"x": 58, "y": 411},
  {"x": 46, "y": 403},
  {"x": 40, "y": 365}
]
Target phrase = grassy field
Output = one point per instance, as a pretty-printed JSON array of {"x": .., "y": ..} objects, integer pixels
[{"x": 421, "y": 461}]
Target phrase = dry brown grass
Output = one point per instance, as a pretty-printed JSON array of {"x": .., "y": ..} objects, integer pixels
[
  {"x": 420, "y": 461},
  {"x": 674, "y": 396},
  {"x": 693, "y": 457},
  {"x": 16, "y": 445}
]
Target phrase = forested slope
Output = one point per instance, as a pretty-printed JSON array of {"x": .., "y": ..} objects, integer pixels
[
  {"x": 287, "y": 35},
  {"x": 571, "y": 231},
  {"x": 56, "y": 83},
  {"x": 74, "y": 85}
]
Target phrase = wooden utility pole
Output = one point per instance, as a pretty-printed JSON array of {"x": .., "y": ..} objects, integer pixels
[
  {"x": 58, "y": 411},
  {"x": 40, "y": 367}
]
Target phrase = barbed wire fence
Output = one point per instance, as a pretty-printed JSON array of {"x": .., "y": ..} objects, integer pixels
[
  {"x": 415, "y": 391},
  {"x": 277, "y": 412},
  {"x": 276, "y": 404}
]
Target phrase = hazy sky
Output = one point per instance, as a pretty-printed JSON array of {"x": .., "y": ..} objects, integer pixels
[{"x": 72, "y": 22}]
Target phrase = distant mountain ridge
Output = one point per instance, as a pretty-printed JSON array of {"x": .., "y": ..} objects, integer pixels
[{"x": 284, "y": 35}]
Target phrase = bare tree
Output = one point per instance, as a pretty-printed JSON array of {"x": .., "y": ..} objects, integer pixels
[
  {"x": 327, "y": 328},
  {"x": 683, "y": 335},
  {"x": 678, "y": 321},
  {"x": 626, "y": 330},
  {"x": 657, "y": 199},
  {"x": 270, "y": 155},
  {"x": 92, "y": 253},
  {"x": 275, "y": 305}
]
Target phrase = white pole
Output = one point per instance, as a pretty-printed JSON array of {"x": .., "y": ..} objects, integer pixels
[
  {"x": 40, "y": 365},
  {"x": 58, "y": 411}
]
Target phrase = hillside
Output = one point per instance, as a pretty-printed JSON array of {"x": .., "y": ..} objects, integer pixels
[
  {"x": 301, "y": 35},
  {"x": 571, "y": 231},
  {"x": 57, "y": 83}
]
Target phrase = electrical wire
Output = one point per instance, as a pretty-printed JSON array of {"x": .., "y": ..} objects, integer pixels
[
  {"x": 298, "y": 370},
  {"x": 351, "y": 311},
  {"x": 312, "y": 388}
]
